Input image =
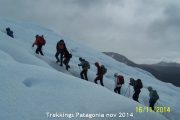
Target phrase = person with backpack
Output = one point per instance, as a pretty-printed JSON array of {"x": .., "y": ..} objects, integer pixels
[
  {"x": 101, "y": 70},
  {"x": 85, "y": 66},
  {"x": 119, "y": 81},
  {"x": 153, "y": 97},
  {"x": 39, "y": 42},
  {"x": 137, "y": 89},
  {"x": 60, "y": 49},
  {"x": 67, "y": 56},
  {"x": 9, "y": 32}
]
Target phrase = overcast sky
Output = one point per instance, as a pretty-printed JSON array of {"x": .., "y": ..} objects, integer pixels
[{"x": 145, "y": 31}]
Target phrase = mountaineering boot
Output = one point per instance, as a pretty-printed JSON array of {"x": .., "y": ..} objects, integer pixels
[{"x": 67, "y": 67}]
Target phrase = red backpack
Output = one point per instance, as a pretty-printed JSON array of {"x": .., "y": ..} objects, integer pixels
[
  {"x": 41, "y": 40},
  {"x": 120, "y": 80}
]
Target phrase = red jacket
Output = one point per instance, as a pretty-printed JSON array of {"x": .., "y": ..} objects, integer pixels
[
  {"x": 99, "y": 72},
  {"x": 119, "y": 80}
]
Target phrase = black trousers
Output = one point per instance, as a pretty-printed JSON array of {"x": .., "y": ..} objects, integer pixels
[
  {"x": 117, "y": 90},
  {"x": 136, "y": 95},
  {"x": 61, "y": 57},
  {"x": 66, "y": 62},
  {"x": 84, "y": 74},
  {"x": 152, "y": 103},
  {"x": 99, "y": 77},
  {"x": 39, "y": 50}
]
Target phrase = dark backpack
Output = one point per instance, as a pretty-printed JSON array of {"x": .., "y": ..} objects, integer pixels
[
  {"x": 103, "y": 69},
  {"x": 139, "y": 84},
  {"x": 120, "y": 80},
  {"x": 155, "y": 96},
  {"x": 86, "y": 65}
]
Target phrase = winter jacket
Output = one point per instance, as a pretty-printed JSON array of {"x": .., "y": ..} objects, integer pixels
[
  {"x": 39, "y": 41},
  {"x": 153, "y": 95},
  {"x": 138, "y": 85},
  {"x": 99, "y": 72},
  {"x": 61, "y": 47},
  {"x": 84, "y": 65},
  {"x": 10, "y": 33},
  {"x": 67, "y": 54},
  {"x": 116, "y": 82}
]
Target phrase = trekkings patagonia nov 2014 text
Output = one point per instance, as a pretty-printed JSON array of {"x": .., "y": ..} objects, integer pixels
[{"x": 81, "y": 115}]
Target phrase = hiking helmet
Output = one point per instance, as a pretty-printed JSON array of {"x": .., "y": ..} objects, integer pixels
[
  {"x": 115, "y": 74},
  {"x": 37, "y": 36},
  {"x": 61, "y": 41},
  {"x": 96, "y": 63},
  {"x": 150, "y": 88},
  {"x": 80, "y": 59},
  {"x": 7, "y": 28}
]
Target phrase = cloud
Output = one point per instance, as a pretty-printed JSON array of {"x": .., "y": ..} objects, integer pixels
[{"x": 137, "y": 29}]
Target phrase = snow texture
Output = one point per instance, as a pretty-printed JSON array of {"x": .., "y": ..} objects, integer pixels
[{"x": 32, "y": 85}]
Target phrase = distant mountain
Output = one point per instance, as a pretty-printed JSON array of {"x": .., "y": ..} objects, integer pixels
[
  {"x": 164, "y": 71},
  {"x": 121, "y": 58},
  {"x": 167, "y": 64}
]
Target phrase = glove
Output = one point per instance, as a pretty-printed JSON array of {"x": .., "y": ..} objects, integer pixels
[
  {"x": 79, "y": 65},
  {"x": 32, "y": 45}
]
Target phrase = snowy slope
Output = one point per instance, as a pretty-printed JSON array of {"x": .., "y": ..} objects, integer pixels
[{"x": 32, "y": 85}]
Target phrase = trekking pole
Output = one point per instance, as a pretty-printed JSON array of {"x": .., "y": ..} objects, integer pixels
[
  {"x": 129, "y": 91},
  {"x": 157, "y": 104},
  {"x": 126, "y": 90},
  {"x": 79, "y": 71}
]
